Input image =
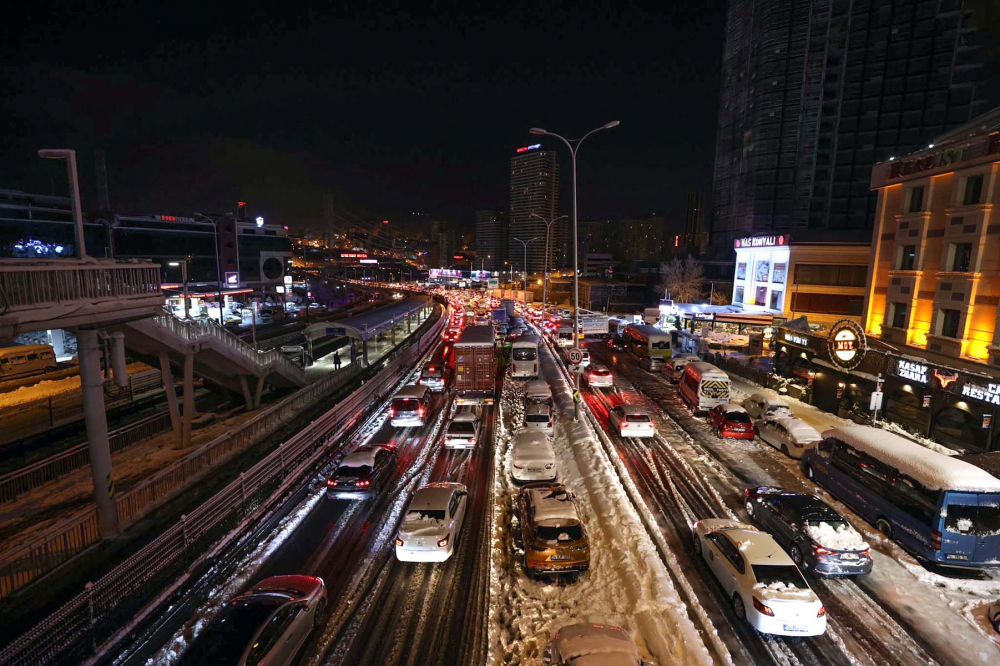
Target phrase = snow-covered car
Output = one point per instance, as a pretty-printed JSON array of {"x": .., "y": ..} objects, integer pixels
[
  {"x": 538, "y": 416},
  {"x": 585, "y": 643},
  {"x": 677, "y": 363},
  {"x": 816, "y": 537},
  {"x": 552, "y": 533},
  {"x": 599, "y": 376},
  {"x": 652, "y": 363},
  {"x": 763, "y": 584},
  {"x": 792, "y": 436},
  {"x": 994, "y": 614},
  {"x": 532, "y": 457},
  {"x": 537, "y": 391},
  {"x": 760, "y": 406},
  {"x": 432, "y": 523},
  {"x": 631, "y": 421},
  {"x": 462, "y": 431},
  {"x": 266, "y": 625},
  {"x": 731, "y": 420},
  {"x": 362, "y": 472}
]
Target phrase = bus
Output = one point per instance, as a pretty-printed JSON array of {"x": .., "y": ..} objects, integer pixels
[
  {"x": 942, "y": 509},
  {"x": 524, "y": 357},
  {"x": 703, "y": 386},
  {"x": 25, "y": 360},
  {"x": 645, "y": 340},
  {"x": 564, "y": 336}
]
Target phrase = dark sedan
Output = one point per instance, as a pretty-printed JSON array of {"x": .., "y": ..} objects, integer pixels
[
  {"x": 617, "y": 342},
  {"x": 816, "y": 537}
]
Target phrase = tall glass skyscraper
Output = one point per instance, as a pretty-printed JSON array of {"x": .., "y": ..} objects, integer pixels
[{"x": 534, "y": 188}]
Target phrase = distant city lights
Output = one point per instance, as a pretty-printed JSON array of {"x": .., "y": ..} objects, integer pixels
[
  {"x": 524, "y": 149},
  {"x": 260, "y": 221}
]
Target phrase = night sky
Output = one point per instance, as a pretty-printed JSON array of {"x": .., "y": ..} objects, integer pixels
[{"x": 392, "y": 109}]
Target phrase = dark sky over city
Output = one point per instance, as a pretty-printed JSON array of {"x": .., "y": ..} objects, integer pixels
[{"x": 392, "y": 108}]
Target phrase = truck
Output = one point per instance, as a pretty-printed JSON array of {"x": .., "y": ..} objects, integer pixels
[
  {"x": 475, "y": 366},
  {"x": 510, "y": 306},
  {"x": 500, "y": 315}
]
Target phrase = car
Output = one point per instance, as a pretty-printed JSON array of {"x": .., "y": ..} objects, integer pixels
[
  {"x": 586, "y": 358},
  {"x": 538, "y": 417},
  {"x": 816, "y": 537},
  {"x": 451, "y": 334},
  {"x": 434, "y": 376},
  {"x": 617, "y": 342},
  {"x": 731, "y": 420},
  {"x": 790, "y": 435},
  {"x": 677, "y": 363},
  {"x": 764, "y": 586},
  {"x": 759, "y": 406},
  {"x": 362, "y": 473},
  {"x": 993, "y": 613},
  {"x": 652, "y": 363},
  {"x": 586, "y": 643},
  {"x": 532, "y": 457},
  {"x": 432, "y": 523},
  {"x": 268, "y": 624},
  {"x": 462, "y": 431},
  {"x": 537, "y": 391},
  {"x": 554, "y": 539},
  {"x": 631, "y": 421},
  {"x": 599, "y": 376}
]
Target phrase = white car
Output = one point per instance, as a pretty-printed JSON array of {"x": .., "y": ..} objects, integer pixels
[
  {"x": 763, "y": 584},
  {"x": 760, "y": 406},
  {"x": 599, "y": 376},
  {"x": 532, "y": 458},
  {"x": 677, "y": 363},
  {"x": 463, "y": 431},
  {"x": 538, "y": 417},
  {"x": 432, "y": 523},
  {"x": 631, "y": 421},
  {"x": 791, "y": 435},
  {"x": 605, "y": 644}
]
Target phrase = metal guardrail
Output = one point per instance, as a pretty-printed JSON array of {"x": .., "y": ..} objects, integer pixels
[
  {"x": 22, "y": 565},
  {"x": 93, "y": 616},
  {"x": 27, "y": 285},
  {"x": 20, "y": 481}
]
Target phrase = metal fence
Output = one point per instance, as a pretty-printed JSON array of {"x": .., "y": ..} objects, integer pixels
[
  {"x": 20, "y": 481},
  {"x": 27, "y": 285},
  {"x": 755, "y": 375},
  {"x": 25, "y": 563},
  {"x": 93, "y": 616}
]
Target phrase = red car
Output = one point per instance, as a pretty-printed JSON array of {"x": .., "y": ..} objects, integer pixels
[
  {"x": 451, "y": 334},
  {"x": 732, "y": 421}
]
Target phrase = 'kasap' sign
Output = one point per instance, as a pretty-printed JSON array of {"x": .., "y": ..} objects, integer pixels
[{"x": 915, "y": 372}]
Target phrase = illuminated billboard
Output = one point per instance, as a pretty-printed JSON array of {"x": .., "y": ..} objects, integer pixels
[
  {"x": 443, "y": 273},
  {"x": 480, "y": 275}
]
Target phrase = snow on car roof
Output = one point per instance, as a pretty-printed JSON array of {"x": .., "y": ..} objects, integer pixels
[
  {"x": 553, "y": 506},
  {"x": 465, "y": 416},
  {"x": 412, "y": 391},
  {"x": 633, "y": 410},
  {"x": 532, "y": 438},
  {"x": 797, "y": 426},
  {"x": 768, "y": 400},
  {"x": 537, "y": 387},
  {"x": 433, "y": 496},
  {"x": 361, "y": 456},
  {"x": 583, "y": 640},
  {"x": 733, "y": 408},
  {"x": 933, "y": 470}
]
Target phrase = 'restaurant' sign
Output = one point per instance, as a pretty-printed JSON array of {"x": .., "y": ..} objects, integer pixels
[
  {"x": 780, "y": 240},
  {"x": 848, "y": 344},
  {"x": 989, "y": 393}
]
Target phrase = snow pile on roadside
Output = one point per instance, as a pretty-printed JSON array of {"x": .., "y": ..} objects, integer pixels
[
  {"x": 842, "y": 537},
  {"x": 627, "y": 584}
]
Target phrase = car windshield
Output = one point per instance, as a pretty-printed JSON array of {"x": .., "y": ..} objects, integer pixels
[
  {"x": 228, "y": 634},
  {"x": 968, "y": 519},
  {"x": 405, "y": 404},
  {"x": 738, "y": 417},
  {"x": 637, "y": 418},
  {"x": 767, "y": 574},
  {"x": 537, "y": 418},
  {"x": 600, "y": 372},
  {"x": 564, "y": 533},
  {"x": 350, "y": 472},
  {"x": 525, "y": 354},
  {"x": 461, "y": 428}
]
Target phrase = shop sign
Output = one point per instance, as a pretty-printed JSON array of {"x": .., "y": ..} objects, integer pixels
[
  {"x": 927, "y": 162},
  {"x": 796, "y": 339},
  {"x": 847, "y": 344},
  {"x": 945, "y": 379},
  {"x": 989, "y": 393},
  {"x": 915, "y": 372},
  {"x": 780, "y": 240}
]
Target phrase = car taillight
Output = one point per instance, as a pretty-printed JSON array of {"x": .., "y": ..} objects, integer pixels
[
  {"x": 549, "y": 465},
  {"x": 936, "y": 540},
  {"x": 331, "y": 482},
  {"x": 764, "y": 609},
  {"x": 624, "y": 424},
  {"x": 399, "y": 542},
  {"x": 534, "y": 368},
  {"x": 364, "y": 483},
  {"x": 867, "y": 552},
  {"x": 822, "y": 611},
  {"x": 392, "y": 411},
  {"x": 420, "y": 411},
  {"x": 820, "y": 550},
  {"x": 443, "y": 542}
]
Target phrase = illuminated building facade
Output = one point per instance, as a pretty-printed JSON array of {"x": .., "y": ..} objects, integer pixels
[{"x": 534, "y": 188}]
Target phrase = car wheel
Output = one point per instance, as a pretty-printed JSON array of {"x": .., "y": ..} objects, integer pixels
[
  {"x": 750, "y": 508},
  {"x": 738, "y": 609},
  {"x": 697, "y": 544},
  {"x": 796, "y": 556},
  {"x": 883, "y": 526}
]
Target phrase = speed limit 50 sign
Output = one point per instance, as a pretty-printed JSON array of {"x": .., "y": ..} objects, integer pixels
[{"x": 576, "y": 356}]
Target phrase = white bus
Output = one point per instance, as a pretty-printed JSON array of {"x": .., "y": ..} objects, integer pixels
[
  {"x": 524, "y": 357},
  {"x": 645, "y": 340},
  {"x": 25, "y": 360},
  {"x": 704, "y": 386},
  {"x": 564, "y": 336}
]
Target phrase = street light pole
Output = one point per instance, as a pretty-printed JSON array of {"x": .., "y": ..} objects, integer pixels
[
  {"x": 74, "y": 184},
  {"x": 545, "y": 273},
  {"x": 573, "y": 149},
  {"x": 184, "y": 279},
  {"x": 525, "y": 244}
]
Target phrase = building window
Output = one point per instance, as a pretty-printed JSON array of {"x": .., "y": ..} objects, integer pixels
[
  {"x": 916, "y": 199},
  {"x": 763, "y": 270},
  {"x": 897, "y": 315},
  {"x": 761, "y": 296},
  {"x": 775, "y": 300},
  {"x": 739, "y": 295},
  {"x": 961, "y": 257},
  {"x": 831, "y": 275},
  {"x": 779, "y": 273},
  {"x": 741, "y": 271},
  {"x": 949, "y": 323},
  {"x": 973, "y": 189},
  {"x": 907, "y": 257}
]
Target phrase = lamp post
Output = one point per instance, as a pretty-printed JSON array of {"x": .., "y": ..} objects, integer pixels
[
  {"x": 545, "y": 273},
  {"x": 184, "y": 279},
  {"x": 574, "y": 147},
  {"x": 525, "y": 244},
  {"x": 74, "y": 184}
]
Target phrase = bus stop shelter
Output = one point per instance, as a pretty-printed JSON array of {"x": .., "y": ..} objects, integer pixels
[{"x": 371, "y": 325}]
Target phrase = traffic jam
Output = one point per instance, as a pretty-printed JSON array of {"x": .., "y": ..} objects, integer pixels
[{"x": 598, "y": 496}]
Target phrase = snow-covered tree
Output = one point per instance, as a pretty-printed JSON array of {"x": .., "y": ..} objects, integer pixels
[{"x": 682, "y": 279}]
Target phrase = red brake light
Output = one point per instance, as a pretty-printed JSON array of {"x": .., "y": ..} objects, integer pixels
[
  {"x": 331, "y": 482},
  {"x": 443, "y": 542},
  {"x": 822, "y": 611},
  {"x": 820, "y": 550},
  {"x": 767, "y": 611},
  {"x": 392, "y": 411},
  {"x": 936, "y": 540},
  {"x": 867, "y": 552},
  {"x": 399, "y": 542},
  {"x": 420, "y": 411}
]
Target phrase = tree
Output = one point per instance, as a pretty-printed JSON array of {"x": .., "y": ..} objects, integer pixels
[
  {"x": 720, "y": 298},
  {"x": 682, "y": 279}
]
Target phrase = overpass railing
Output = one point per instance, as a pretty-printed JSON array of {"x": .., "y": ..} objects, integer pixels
[{"x": 25, "y": 284}]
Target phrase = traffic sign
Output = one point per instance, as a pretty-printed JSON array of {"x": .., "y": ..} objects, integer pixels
[{"x": 576, "y": 356}]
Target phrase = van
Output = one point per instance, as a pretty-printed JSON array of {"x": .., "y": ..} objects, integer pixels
[
  {"x": 410, "y": 406},
  {"x": 704, "y": 386},
  {"x": 25, "y": 360},
  {"x": 434, "y": 376},
  {"x": 677, "y": 364}
]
